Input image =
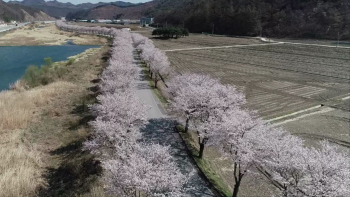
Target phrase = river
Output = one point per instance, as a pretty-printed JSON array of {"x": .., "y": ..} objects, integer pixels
[{"x": 15, "y": 60}]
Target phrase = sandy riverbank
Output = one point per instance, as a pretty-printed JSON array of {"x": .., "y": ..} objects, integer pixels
[{"x": 48, "y": 34}]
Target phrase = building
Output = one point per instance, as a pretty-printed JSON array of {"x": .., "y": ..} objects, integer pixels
[
  {"x": 104, "y": 21},
  {"x": 3, "y": 24},
  {"x": 134, "y": 21},
  {"x": 125, "y": 21},
  {"x": 146, "y": 21}
]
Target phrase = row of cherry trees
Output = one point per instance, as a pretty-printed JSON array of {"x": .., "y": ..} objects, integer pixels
[
  {"x": 155, "y": 58},
  {"x": 131, "y": 168},
  {"x": 215, "y": 111}
]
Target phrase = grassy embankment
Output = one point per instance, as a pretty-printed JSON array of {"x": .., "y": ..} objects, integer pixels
[
  {"x": 43, "y": 122},
  {"x": 209, "y": 163}
]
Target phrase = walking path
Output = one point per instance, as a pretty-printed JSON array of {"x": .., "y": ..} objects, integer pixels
[
  {"x": 9, "y": 27},
  {"x": 160, "y": 130}
]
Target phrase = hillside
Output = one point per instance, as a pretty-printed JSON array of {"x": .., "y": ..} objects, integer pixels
[
  {"x": 16, "y": 12},
  {"x": 112, "y": 11},
  {"x": 58, "y": 9},
  {"x": 276, "y": 18}
]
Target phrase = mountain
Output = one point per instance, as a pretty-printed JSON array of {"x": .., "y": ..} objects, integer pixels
[
  {"x": 16, "y": 12},
  {"x": 113, "y": 11},
  {"x": 58, "y": 9},
  {"x": 275, "y": 18}
]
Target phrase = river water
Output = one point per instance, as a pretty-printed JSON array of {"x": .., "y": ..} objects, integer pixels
[{"x": 15, "y": 60}]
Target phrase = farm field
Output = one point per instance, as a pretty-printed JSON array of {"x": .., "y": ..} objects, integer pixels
[
  {"x": 199, "y": 40},
  {"x": 304, "y": 89},
  {"x": 278, "y": 79}
]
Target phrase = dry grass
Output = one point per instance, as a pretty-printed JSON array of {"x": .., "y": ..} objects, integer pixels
[
  {"x": 41, "y": 132},
  {"x": 20, "y": 162},
  {"x": 18, "y": 108}
]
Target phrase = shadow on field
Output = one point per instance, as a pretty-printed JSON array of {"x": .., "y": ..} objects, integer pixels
[
  {"x": 161, "y": 131},
  {"x": 77, "y": 172}
]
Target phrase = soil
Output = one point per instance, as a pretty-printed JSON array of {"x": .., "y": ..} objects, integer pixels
[{"x": 48, "y": 34}]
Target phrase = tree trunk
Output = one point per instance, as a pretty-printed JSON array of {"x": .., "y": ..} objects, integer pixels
[
  {"x": 155, "y": 82},
  {"x": 187, "y": 123},
  {"x": 201, "y": 150},
  {"x": 236, "y": 187}
]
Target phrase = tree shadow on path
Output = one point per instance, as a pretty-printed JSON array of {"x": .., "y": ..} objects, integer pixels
[{"x": 161, "y": 131}]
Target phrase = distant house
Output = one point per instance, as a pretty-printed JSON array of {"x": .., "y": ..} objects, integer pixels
[
  {"x": 125, "y": 21},
  {"x": 2, "y": 24},
  {"x": 146, "y": 21},
  {"x": 134, "y": 21},
  {"x": 104, "y": 21},
  {"x": 115, "y": 21}
]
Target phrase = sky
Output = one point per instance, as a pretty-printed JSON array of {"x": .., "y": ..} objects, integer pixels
[{"x": 96, "y": 1}]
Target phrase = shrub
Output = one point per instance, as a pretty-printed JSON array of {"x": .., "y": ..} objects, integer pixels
[
  {"x": 48, "y": 61},
  {"x": 35, "y": 76},
  {"x": 70, "y": 61},
  {"x": 32, "y": 75},
  {"x": 170, "y": 32}
]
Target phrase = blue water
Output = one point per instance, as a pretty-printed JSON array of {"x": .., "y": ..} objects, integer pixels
[{"x": 15, "y": 60}]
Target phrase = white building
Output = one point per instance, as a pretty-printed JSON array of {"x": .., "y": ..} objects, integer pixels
[
  {"x": 104, "y": 21},
  {"x": 3, "y": 24},
  {"x": 146, "y": 21}
]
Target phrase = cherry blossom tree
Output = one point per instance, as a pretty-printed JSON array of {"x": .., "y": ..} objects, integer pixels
[
  {"x": 202, "y": 100},
  {"x": 299, "y": 171},
  {"x": 149, "y": 170},
  {"x": 160, "y": 66}
]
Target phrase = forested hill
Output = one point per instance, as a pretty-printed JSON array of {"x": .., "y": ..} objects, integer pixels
[
  {"x": 21, "y": 13},
  {"x": 277, "y": 18},
  {"x": 112, "y": 11},
  {"x": 58, "y": 9}
]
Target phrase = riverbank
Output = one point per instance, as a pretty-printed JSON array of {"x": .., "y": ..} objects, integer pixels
[
  {"x": 42, "y": 129},
  {"x": 46, "y": 35}
]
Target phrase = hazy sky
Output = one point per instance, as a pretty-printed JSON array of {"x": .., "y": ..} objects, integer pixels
[{"x": 96, "y": 1}]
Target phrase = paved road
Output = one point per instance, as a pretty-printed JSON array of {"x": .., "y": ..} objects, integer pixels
[
  {"x": 160, "y": 130},
  {"x": 9, "y": 27}
]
